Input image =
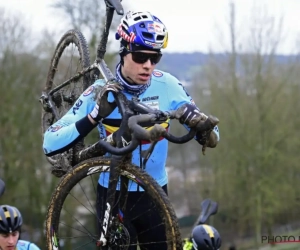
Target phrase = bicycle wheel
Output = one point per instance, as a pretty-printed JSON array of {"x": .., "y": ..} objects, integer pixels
[
  {"x": 71, "y": 220},
  {"x": 71, "y": 56}
]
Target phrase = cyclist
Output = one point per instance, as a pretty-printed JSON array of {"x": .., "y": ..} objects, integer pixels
[
  {"x": 10, "y": 230},
  {"x": 142, "y": 37},
  {"x": 204, "y": 237}
]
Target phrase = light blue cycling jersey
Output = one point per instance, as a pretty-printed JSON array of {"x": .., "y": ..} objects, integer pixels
[
  {"x": 165, "y": 93},
  {"x": 26, "y": 245}
]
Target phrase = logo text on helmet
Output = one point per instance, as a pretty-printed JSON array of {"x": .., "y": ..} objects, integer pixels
[
  {"x": 154, "y": 45},
  {"x": 155, "y": 27}
]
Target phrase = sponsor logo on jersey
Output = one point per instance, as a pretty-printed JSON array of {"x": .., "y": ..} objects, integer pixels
[
  {"x": 157, "y": 73},
  {"x": 153, "y": 104},
  {"x": 77, "y": 106},
  {"x": 55, "y": 128},
  {"x": 150, "y": 98},
  {"x": 88, "y": 91}
]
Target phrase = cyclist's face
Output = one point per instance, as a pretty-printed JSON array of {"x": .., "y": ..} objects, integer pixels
[
  {"x": 138, "y": 66},
  {"x": 9, "y": 241}
]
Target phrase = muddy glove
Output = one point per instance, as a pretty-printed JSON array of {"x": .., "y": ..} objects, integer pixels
[
  {"x": 190, "y": 115},
  {"x": 103, "y": 106},
  {"x": 208, "y": 138}
]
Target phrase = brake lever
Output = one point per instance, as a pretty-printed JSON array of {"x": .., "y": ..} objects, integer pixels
[
  {"x": 160, "y": 116},
  {"x": 206, "y": 128},
  {"x": 147, "y": 153},
  {"x": 204, "y": 146}
]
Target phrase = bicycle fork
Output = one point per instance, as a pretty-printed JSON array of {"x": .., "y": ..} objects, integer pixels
[
  {"x": 111, "y": 192},
  {"x": 106, "y": 219}
]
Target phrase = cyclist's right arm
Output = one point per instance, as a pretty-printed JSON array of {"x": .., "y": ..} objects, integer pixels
[
  {"x": 73, "y": 126},
  {"x": 26, "y": 245}
]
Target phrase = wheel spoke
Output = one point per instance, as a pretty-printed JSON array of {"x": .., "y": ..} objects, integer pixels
[{"x": 78, "y": 224}]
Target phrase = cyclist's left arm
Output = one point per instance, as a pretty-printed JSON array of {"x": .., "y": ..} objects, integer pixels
[{"x": 179, "y": 96}]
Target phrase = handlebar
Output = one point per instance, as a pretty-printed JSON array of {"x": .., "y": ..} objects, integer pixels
[
  {"x": 139, "y": 133},
  {"x": 133, "y": 114}
]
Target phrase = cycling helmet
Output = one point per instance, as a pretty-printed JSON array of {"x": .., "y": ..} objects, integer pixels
[
  {"x": 10, "y": 219},
  {"x": 142, "y": 30},
  {"x": 205, "y": 237}
]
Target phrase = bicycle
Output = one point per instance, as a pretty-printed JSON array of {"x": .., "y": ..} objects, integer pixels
[{"x": 81, "y": 163}]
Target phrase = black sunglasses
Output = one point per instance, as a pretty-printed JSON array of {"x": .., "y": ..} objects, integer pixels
[{"x": 142, "y": 57}]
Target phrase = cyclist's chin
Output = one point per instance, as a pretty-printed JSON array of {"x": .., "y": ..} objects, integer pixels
[{"x": 142, "y": 80}]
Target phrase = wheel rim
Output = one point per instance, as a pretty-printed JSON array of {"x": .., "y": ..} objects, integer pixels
[
  {"x": 78, "y": 217},
  {"x": 71, "y": 56}
]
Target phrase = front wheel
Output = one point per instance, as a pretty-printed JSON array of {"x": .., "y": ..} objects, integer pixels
[{"x": 72, "y": 221}]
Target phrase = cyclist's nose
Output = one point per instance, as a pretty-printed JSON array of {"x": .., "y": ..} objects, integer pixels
[
  {"x": 10, "y": 239},
  {"x": 147, "y": 64}
]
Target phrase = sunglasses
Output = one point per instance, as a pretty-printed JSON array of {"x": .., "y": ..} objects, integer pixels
[{"x": 142, "y": 57}]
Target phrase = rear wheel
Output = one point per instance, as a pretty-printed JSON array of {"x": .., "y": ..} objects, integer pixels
[
  {"x": 71, "y": 56},
  {"x": 72, "y": 221}
]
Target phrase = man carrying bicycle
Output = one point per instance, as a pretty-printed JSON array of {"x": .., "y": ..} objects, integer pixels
[
  {"x": 142, "y": 36},
  {"x": 10, "y": 230}
]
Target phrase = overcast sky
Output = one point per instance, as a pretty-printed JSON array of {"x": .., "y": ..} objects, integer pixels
[{"x": 193, "y": 24}]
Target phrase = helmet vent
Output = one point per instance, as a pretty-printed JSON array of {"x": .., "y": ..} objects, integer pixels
[
  {"x": 213, "y": 242},
  {"x": 207, "y": 243},
  {"x": 140, "y": 17},
  {"x": 160, "y": 38},
  {"x": 125, "y": 23},
  {"x": 147, "y": 35}
]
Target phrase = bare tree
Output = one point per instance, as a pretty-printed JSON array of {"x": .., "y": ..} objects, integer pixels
[
  {"x": 88, "y": 17},
  {"x": 22, "y": 160},
  {"x": 251, "y": 92}
]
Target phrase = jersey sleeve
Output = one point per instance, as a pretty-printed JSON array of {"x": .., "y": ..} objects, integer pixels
[
  {"x": 177, "y": 93},
  {"x": 63, "y": 134},
  {"x": 33, "y": 246}
]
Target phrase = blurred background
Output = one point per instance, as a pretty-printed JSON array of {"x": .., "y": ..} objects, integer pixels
[{"x": 240, "y": 62}]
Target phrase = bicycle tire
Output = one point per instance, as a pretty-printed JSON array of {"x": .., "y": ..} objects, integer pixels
[
  {"x": 76, "y": 38},
  {"x": 82, "y": 170}
]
